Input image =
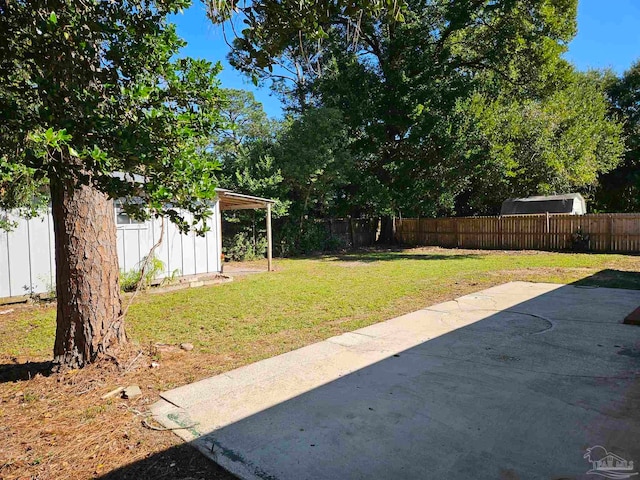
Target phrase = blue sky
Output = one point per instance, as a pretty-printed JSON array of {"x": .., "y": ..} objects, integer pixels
[{"x": 608, "y": 37}]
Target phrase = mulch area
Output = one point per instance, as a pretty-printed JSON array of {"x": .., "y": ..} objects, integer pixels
[{"x": 58, "y": 426}]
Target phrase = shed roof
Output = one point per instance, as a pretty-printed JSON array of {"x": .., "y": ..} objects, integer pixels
[
  {"x": 539, "y": 198},
  {"x": 237, "y": 201},
  {"x": 228, "y": 200}
]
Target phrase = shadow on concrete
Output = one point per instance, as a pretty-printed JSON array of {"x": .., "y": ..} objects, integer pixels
[{"x": 521, "y": 393}]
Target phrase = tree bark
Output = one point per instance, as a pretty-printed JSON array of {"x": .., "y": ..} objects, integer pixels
[
  {"x": 387, "y": 231},
  {"x": 89, "y": 318}
]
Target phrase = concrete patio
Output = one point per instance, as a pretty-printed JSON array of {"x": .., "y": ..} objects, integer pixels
[{"x": 513, "y": 382}]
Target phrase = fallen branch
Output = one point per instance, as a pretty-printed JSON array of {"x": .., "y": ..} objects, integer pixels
[
  {"x": 133, "y": 362},
  {"x": 112, "y": 393}
]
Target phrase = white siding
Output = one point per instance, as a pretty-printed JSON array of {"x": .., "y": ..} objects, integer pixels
[
  {"x": 41, "y": 253},
  {"x": 27, "y": 253},
  {"x": 20, "y": 259},
  {"x": 5, "y": 274}
]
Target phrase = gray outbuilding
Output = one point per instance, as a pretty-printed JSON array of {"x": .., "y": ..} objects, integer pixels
[{"x": 571, "y": 203}]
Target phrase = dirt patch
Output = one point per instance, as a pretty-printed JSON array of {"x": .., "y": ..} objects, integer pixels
[
  {"x": 467, "y": 251},
  {"x": 532, "y": 272},
  {"x": 16, "y": 310},
  {"x": 584, "y": 277},
  {"x": 543, "y": 271}
]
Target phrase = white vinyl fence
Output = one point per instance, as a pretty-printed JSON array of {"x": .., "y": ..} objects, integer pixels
[{"x": 27, "y": 253}]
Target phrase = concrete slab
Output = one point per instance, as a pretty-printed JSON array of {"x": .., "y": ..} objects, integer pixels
[{"x": 513, "y": 382}]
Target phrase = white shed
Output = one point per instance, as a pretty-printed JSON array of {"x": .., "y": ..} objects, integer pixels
[{"x": 27, "y": 261}]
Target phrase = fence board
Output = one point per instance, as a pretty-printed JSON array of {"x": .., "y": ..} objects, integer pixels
[
  {"x": 354, "y": 232},
  {"x": 607, "y": 232}
]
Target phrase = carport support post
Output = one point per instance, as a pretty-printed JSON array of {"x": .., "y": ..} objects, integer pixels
[{"x": 269, "y": 243}]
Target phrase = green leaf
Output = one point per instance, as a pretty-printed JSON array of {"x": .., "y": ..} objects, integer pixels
[{"x": 53, "y": 18}]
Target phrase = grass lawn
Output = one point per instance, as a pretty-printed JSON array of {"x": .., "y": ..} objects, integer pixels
[{"x": 254, "y": 317}]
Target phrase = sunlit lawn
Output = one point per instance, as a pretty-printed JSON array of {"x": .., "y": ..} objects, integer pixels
[{"x": 312, "y": 298}]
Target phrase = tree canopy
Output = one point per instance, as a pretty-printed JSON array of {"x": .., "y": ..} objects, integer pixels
[
  {"x": 91, "y": 88},
  {"x": 448, "y": 108},
  {"x": 620, "y": 189},
  {"x": 431, "y": 100},
  {"x": 560, "y": 143}
]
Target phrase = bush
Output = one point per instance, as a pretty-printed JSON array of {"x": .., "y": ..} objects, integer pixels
[
  {"x": 130, "y": 280},
  {"x": 580, "y": 241},
  {"x": 290, "y": 238},
  {"x": 313, "y": 237},
  {"x": 241, "y": 247}
]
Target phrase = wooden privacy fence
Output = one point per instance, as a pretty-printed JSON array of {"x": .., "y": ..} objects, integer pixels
[
  {"x": 615, "y": 232},
  {"x": 349, "y": 232},
  {"x": 354, "y": 232}
]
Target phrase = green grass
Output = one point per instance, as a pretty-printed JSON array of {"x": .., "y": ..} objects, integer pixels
[{"x": 313, "y": 298}]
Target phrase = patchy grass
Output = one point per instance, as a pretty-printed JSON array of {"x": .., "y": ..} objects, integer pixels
[
  {"x": 232, "y": 324},
  {"x": 318, "y": 297}
]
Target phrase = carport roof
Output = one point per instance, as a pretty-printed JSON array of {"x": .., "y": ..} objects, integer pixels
[{"x": 237, "y": 201}]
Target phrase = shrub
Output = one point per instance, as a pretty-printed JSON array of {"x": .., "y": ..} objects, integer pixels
[
  {"x": 130, "y": 280},
  {"x": 312, "y": 237},
  {"x": 580, "y": 241},
  {"x": 241, "y": 247}
]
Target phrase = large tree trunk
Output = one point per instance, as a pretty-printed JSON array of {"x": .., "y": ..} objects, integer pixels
[
  {"x": 87, "y": 276},
  {"x": 387, "y": 231}
]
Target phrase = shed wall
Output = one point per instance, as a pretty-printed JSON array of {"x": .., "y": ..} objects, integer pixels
[{"x": 27, "y": 253}]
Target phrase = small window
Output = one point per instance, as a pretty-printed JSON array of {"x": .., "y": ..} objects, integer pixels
[{"x": 123, "y": 218}]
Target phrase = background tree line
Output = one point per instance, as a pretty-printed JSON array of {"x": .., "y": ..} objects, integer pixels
[{"x": 449, "y": 112}]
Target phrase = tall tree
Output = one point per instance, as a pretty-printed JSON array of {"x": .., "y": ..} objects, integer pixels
[
  {"x": 281, "y": 41},
  {"x": 559, "y": 143},
  {"x": 244, "y": 144},
  {"x": 313, "y": 154},
  {"x": 620, "y": 189},
  {"x": 398, "y": 75},
  {"x": 244, "y": 122},
  {"x": 92, "y": 105}
]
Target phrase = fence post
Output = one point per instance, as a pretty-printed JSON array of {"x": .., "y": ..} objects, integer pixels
[
  {"x": 352, "y": 233},
  {"x": 610, "y": 236},
  {"x": 547, "y": 236},
  {"x": 457, "y": 241}
]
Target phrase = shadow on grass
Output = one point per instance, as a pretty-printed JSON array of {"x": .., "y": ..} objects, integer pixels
[
  {"x": 394, "y": 255},
  {"x": 609, "y": 278},
  {"x": 14, "y": 372}
]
